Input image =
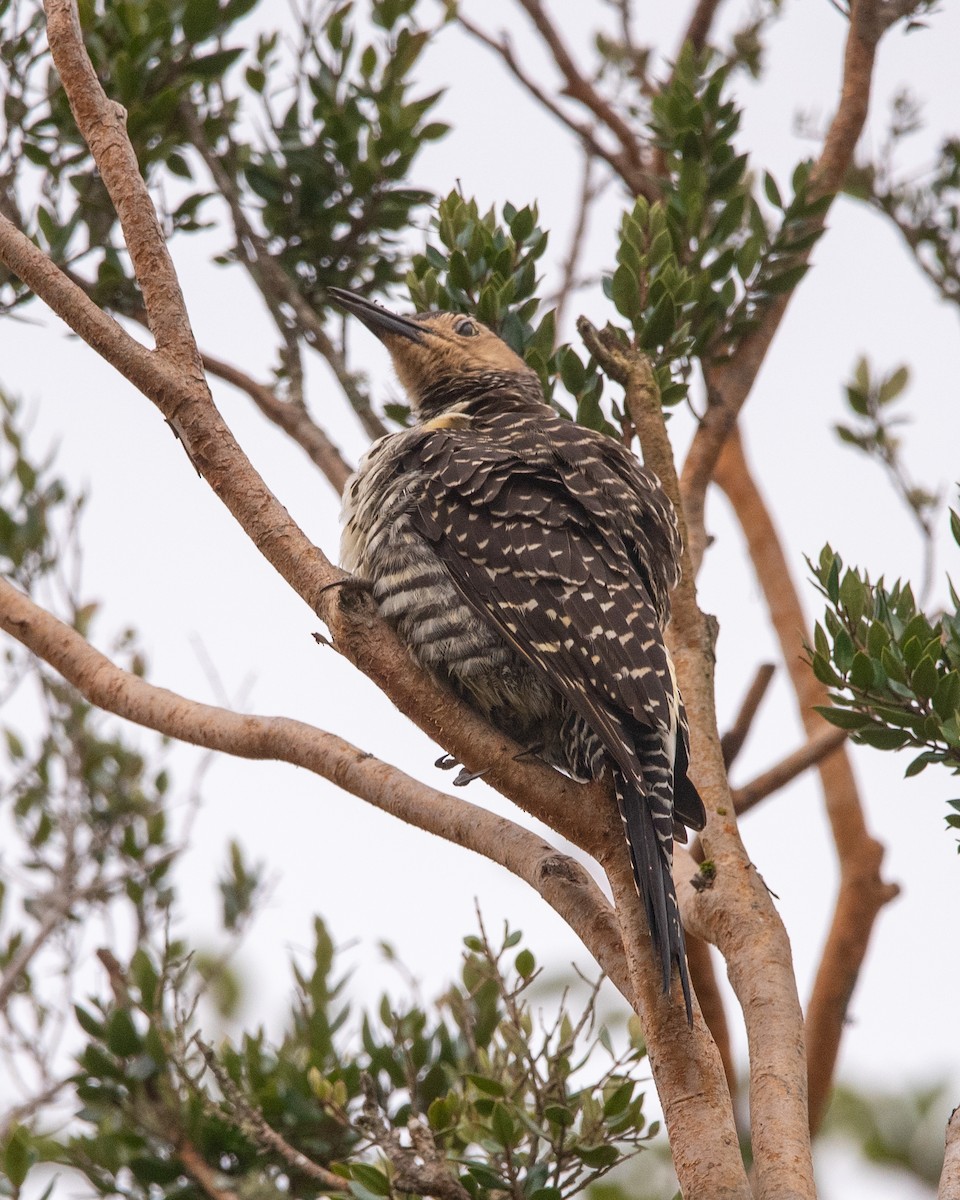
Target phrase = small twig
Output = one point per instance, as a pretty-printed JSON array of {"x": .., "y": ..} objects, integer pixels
[
  {"x": 580, "y": 89},
  {"x": 420, "y": 1169},
  {"x": 639, "y": 182},
  {"x": 568, "y": 270},
  {"x": 251, "y": 1122},
  {"x": 825, "y": 742},
  {"x": 275, "y": 284},
  {"x": 204, "y": 1176},
  {"x": 732, "y": 741}
]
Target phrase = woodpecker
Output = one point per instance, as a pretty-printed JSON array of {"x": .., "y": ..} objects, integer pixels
[{"x": 528, "y": 561}]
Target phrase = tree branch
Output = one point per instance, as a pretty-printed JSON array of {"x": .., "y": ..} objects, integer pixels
[
  {"x": 636, "y": 182},
  {"x": 700, "y": 23},
  {"x": 251, "y": 1122},
  {"x": 862, "y": 891},
  {"x": 102, "y": 124},
  {"x": 580, "y": 89},
  {"x": 813, "y": 752},
  {"x": 949, "y": 1188},
  {"x": 736, "y": 913},
  {"x": 291, "y": 418},
  {"x": 732, "y": 741},
  {"x": 562, "y": 882}
]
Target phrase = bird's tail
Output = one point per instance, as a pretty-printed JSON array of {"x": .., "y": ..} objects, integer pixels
[{"x": 650, "y": 838}]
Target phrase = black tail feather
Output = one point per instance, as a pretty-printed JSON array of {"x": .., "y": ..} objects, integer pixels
[{"x": 654, "y": 880}]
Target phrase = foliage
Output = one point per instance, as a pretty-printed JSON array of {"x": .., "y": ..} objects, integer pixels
[
  {"x": 337, "y": 133},
  {"x": 509, "y": 1106},
  {"x": 925, "y": 209},
  {"x": 893, "y": 671},
  {"x": 696, "y": 268},
  {"x": 875, "y": 407}
]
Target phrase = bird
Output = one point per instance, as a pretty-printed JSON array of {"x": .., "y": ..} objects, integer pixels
[{"x": 527, "y": 561}]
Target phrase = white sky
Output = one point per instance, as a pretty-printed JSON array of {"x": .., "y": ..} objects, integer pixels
[{"x": 164, "y": 556}]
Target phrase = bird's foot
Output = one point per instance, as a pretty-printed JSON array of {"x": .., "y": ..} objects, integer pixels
[{"x": 446, "y": 762}]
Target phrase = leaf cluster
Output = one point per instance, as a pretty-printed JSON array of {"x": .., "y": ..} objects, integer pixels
[
  {"x": 486, "y": 266},
  {"x": 893, "y": 671},
  {"x": 318, "y": 134},
  {"x": 510, "y": 1106},
  {"x": 695, "y": 268},
  {"x": 331, "y": 176}
]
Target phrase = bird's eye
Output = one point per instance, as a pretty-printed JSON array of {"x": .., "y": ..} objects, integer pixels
[{"x": 466, "y": 329}]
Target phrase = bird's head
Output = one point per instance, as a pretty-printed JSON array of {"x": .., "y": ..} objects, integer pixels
[{"x": 443, "y": 359}]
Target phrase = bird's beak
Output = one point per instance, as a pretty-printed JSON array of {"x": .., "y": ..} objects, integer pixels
[{"x": 378, "y": 320}]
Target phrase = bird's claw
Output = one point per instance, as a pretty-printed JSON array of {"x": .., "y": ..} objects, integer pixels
[
  {"x": 446, "y": 762},
  {"x": 464, "y": 777}
]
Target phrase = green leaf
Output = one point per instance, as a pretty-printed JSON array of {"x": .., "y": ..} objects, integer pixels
[
  {"x": 17, "y": 1156},
  {"x": 372, "y": 1178},
  {"x": 843, "y": 651},
  {"x": 861, "y": 672},
  {"x": 598, "y": 1156},
  {"x": 946, "y": 699},
  {"x": 924, "y": 678},
  {"x": 771, "y": 190},
  {"x": 920, "y": 763},
  {"x": 490, "y": 1087},
  {"x": 893, "y": 385},
  {"x": 882, "y": 739},
  {"x": 88, "y": 1022},
  {"x": 122, "y": 1036},
  {"x": 853, "y": 596},
  {"x": 625, "y": 292},
  {"x": 843, "y": 718},
  {"x": 526, "y": 964}
]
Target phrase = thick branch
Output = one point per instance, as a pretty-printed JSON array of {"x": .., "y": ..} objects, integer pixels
[
  {"x": 949, "y": 1188},
  {"x": 730, "y": 381},
  {"x": 736, "y": 913},
  {"x": 703, "y": 975},
  {"x": 685, "y": 1063},
  {"x": 101, "y": 332},
  {"x": 862, "y": 890},
  {"x": 562, "y": 882}
]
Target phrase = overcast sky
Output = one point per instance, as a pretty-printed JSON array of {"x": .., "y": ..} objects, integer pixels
[{"x": 164, "y": 556}]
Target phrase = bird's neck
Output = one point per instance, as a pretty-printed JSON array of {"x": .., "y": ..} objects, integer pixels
[{"x": 472, "y": 393}]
